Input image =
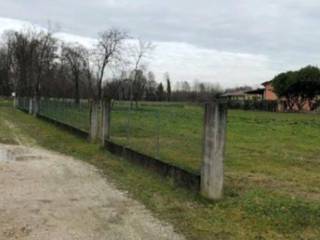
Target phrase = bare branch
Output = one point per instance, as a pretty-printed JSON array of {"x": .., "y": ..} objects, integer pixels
[{"x": 108, "y": 51}]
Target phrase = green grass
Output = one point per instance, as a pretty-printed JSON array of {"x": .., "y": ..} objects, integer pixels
[
  {"x": 272, "y": 188},
  {"x": 172, "y": 133},
  {"x": 164, "y": 131},
  {"x": 255, "y": 139}
]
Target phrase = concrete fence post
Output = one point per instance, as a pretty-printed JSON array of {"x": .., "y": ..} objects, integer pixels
[
  {"x": 16, "y": 102},
  {"x": 14, "y": 98},
  {"x": 105, "y": 121},
  {"x": 212, "y": 172},
  {"x": 93, "y": 133},
  {"x": 35, "y": 106},
  {"x": 26, "y": 103},
  {"x": 30, "y": 105}
]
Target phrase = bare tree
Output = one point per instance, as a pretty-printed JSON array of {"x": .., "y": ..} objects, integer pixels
[
  {"x": 89, "y": 75},
  {"x": 185, "y": 87},
  {"x": 21, "y": 55},
  {"x": 138, "y": 86},
  {"x": 151, "y": 87},
  {"x": 32, "y": 54},
  {"x": 6, "y": 83},
  {"x": 44, "y": 55},
  {"x": 107, "y": 51},
  {"x": 74, "y": 55},
  {"x": 139, "y": 52}
]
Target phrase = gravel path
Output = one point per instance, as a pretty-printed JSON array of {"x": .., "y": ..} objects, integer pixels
[{"x": 45, "y": 195}]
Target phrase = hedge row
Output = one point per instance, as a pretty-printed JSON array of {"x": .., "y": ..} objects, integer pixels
[{"x": 261, "y": 105}]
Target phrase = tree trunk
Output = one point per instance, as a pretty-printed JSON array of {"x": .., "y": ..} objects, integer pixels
[
  {"x": 100, "y": 90},
  {"x": 77, "y": 90}
]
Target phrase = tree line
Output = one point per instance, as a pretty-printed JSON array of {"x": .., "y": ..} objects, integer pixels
[
  {"x": 298, "y": 88},
  {"x": 33, "y": 63}
]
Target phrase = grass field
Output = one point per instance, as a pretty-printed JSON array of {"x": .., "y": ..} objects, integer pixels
[
  {"x": 253, "y": 138},
  {"x": 170, "y": 132},
  {"x": 272, "y": 184}
]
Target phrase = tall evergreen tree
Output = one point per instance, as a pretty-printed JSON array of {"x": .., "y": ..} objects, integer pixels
[{"x": 168, "y": 87}]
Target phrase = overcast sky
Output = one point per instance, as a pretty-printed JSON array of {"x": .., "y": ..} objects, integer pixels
[{"x": 231, "y": 42}]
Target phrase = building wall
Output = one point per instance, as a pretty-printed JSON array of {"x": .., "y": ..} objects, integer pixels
[
  {"x": 269, "y": 93},
  {"x": 256, "y": 97}
]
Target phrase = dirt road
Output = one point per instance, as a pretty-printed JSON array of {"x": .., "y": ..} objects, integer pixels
[{"x": 45, "y": 195}]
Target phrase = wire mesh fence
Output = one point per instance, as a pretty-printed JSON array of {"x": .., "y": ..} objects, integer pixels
[
  {"x": 62, "y": 110},
  {"x": 23, "y": 103},
  {"x": 171, "y": 132},
  {"x": 67, "y": 111}
]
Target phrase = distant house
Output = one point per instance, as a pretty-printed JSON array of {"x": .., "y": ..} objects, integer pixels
[
  {"x": 268, "y": 93},
  {"x": 244, "y": 95},
  {"x": 237, "y": 95},
  {"x": 265, "y": 93},
  {"x": 257, "y": 94}
]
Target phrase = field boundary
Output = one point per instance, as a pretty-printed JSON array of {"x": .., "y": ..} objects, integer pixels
[{"x": 180, "y": 176}]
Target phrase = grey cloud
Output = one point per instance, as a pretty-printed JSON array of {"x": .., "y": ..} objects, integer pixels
[{"x": 286, "y": 31}]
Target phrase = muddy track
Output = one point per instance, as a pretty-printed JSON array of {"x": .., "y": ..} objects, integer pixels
[{"x": 45, "y": 195}]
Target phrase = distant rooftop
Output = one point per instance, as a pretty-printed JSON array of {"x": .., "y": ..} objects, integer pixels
[
  {"x": 236, "y": 93},
  {"x": 242, "y": 93},
  {"x": 256, "y": 91}
]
